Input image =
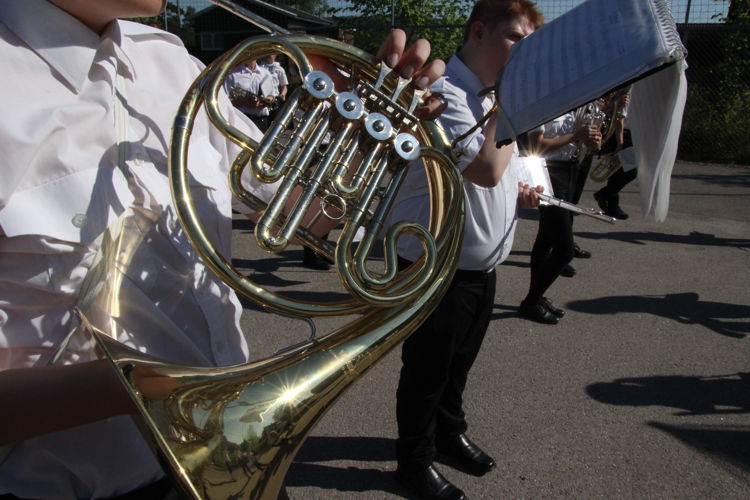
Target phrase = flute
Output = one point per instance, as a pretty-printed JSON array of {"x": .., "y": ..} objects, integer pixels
[{"x": 591, "y": 212}]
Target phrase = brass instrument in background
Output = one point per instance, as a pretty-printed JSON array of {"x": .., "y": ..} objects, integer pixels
[
  {"x": 232, "y": 432},
  {"x": 604, "y": 165},
  {"x": 590, "y": 115},
  {"x": 240, "y": 93},
  {"x": 544, "y": 197}
]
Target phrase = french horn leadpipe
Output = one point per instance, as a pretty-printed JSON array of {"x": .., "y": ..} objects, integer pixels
[
  {"x": 232, "y": 432},
  {"x": 558, "y": 202}
]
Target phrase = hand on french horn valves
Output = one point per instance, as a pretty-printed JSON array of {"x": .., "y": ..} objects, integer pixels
[{"x": 412, "y": 63}]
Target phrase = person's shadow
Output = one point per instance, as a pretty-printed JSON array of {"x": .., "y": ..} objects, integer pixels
[
  {"x": 307, "y": 471},
  {"x": 725, "y": 394},
  {"x": 691, "y": 396},
  {"x": 732, "y": 320},
  {"x": 644, "y": 237}
]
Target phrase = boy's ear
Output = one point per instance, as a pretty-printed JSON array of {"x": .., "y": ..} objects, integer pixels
[{"x": 476, "y": 30}]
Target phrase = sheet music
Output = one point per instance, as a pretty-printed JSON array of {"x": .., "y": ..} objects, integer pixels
[
  {"x": 578, "y": 57},
  {"x": 532, "y": 170}
]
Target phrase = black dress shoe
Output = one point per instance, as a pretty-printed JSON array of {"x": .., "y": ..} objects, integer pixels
[
  {"x": 602, "y": 201},
  {"x": 537, "y": 312},
  {"x": 428, "y": 483},
  {"x": 580, "y": 253},
  {"x": 616, "y": 212},
  {"x": 314, "y": 260},
  {"x": 464, "y": 454},
  {"x": 554, "y": 310},
  {"x": 568, "y": 271}
]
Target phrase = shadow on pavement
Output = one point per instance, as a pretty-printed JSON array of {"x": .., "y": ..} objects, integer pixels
[
  {"x": 728, "y": 443},
  {"x": 642, "y": 238},
  {"x": 720, "y": 394},
  {"x": 684, "y": 308},
  {"x": 304, "y": 473}
]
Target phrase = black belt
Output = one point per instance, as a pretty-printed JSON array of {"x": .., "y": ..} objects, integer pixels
[{"x": 460, "y": 273}]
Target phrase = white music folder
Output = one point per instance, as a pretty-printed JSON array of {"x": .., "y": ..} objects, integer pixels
[{"x": 589, "y": 51}]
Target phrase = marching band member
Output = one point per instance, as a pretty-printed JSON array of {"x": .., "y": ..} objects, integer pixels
[
  {"x": 437, "y": 357},
  {"x": 252, "y": 90},
  {"x": 558, "y": 141},
  {"x": 85, "y": 150}
]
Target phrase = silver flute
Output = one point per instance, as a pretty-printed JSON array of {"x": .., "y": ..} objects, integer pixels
[{"x": 591, "y": 212}]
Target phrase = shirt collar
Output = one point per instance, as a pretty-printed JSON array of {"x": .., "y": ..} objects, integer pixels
[
  {"x": 62, "y": 41},
  {"x": 457, "y": 68}
]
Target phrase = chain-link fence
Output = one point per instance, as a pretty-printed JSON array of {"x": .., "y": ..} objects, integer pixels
[{"x": 715, "y": 32}]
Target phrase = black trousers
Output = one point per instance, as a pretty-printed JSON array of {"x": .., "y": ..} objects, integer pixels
[
  {"x": 552, "y": 250},
  {"x": 436, "y": 359},
  {"x": 262, "y": 122},
  {"x": 553, "y": 247},
  {"x": 617, "y": 181}
]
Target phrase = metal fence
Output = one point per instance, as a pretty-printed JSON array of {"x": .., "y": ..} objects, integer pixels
[{"x": 717, "y": 114}]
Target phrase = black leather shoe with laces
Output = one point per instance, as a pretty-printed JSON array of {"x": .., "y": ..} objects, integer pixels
[
  {"x": 602, "y": 201},
  {"x": 427, "y": 483},
  {"x": 554, "y": 310},
  {"x": 537, "y": 312},
  {"x": 568, "y": 271},
  {"x": 580, "y": 253},
  {"x": 462, "y": 453},
  {"x": 616, "y": 212}
]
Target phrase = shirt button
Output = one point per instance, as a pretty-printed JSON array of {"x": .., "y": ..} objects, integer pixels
[
  {"x": 219, "y": 346},
  {"x": 79, "y": 220}
]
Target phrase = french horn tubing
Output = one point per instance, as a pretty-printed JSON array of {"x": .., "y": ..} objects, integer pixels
[{"x": 232, "y": 432}]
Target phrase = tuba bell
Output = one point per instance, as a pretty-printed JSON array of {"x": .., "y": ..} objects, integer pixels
[{"x": 232, "y": 432}]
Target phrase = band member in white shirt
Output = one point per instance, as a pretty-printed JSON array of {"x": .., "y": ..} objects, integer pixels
[
  {"x": 88, "y": 112},
  {"x": 437, "y": 357},
  {"x": 252, "y": 89}
]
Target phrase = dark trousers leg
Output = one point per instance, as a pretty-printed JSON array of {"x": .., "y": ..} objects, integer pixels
[
  {"x": 553, "y": 248},
  {"x": 262, "y": 122},
  {"x": 436, "y": 363},
  {"x": 618, "y": 181},
  {"x": 579, "y": 176}
]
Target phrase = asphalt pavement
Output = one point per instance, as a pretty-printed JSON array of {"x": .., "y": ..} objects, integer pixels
[{"x": 641, "y": 391}]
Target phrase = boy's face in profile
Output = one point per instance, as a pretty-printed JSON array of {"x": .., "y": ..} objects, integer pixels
[
  {"x": 96, "y": 14},
  {"x": 494, "y": 45},
  {"x": 131, "y": 8}
]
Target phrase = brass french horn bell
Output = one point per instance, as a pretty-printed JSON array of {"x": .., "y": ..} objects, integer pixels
[{"x": 232, "y": 432}]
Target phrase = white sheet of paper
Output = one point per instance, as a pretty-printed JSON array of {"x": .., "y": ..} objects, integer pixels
[{"x": 532, "y": 170}]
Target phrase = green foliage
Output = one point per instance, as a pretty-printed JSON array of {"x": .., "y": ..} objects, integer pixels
[
  {"x": 173, "y": 21},
  {"x": 715, "y": 129},
  {"x": 717, "y": 112},
  {"x": 314, "y": 7},
  {"x": 440, "y": 21}
]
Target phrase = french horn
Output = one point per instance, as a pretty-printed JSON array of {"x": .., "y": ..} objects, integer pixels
[{"x": 232, "y": 432}]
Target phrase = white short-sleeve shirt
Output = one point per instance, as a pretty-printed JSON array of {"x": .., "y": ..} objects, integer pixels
[
  {"x": 84, "y": 141},
  {"x": 278, "y": 73},
  {"x": 258, "y": 80},
  {"x": 491, "y": 213},
  {"x": 562, "y": 125}
]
